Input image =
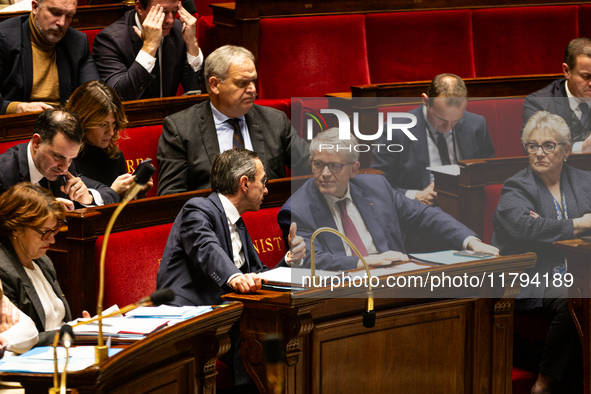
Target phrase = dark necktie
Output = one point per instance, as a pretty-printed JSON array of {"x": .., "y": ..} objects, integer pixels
[
  {"x": 44, "y": 182},
  {"x": 237, "y": 141},
  {"x": 443, "y": 151},
  {"x": 584, "y": 107},
  {"x": 350, "y": 229},
  {"x": 242, "y": 231}
]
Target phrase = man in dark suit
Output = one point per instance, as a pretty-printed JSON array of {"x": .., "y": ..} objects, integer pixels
[
  {"x": 568, "y": 98},
  {"x": 43, "y": 59},
  {"x": 147, "y": 53},
  {"x": 363, "y": 207},
  {"x": 445, "y": 133},
  {"x": 47, "y": 161},
  {"x": 191, "y": 138}
]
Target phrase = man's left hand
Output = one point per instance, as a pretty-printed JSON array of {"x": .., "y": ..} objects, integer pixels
[
  {"x": 189, "y": 30},
  {"x": 297, "y": 246},
  {"x": 478, "y": 246},
  {"x": 76, "y": 190}
]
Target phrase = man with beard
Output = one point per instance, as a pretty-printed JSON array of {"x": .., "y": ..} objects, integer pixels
[{"x": 42, "y": 59}]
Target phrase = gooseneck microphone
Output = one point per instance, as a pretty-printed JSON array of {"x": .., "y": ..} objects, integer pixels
[
  {"x": 66, "y": 336},
  {"x": 142, "y": 176},
  {"x": 369, "y": 314}
]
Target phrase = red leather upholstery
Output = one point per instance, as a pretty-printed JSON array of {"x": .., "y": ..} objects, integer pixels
[
  {"x": 5, "y": 145},
  {"x": 131, "y": 263},
  {"x": 505, "y": 37},
  {"x": 585, "y": 20},
  {"x": 487, "y": 109},
  {"x": 325, "y": 54},
  {"x": 509, "y": 122},
  {"x": 523, "y": 381},
  {"x": 207, "y": 34},
  {"x": 415, "y": 46},
  {"x": 266, "y": 235},
  {"x": 91, "y": 34},
  {"x": 140, "y": 143},
  {"x": 283, "y": 105}
]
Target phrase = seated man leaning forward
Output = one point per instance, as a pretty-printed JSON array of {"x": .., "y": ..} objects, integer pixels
[
  {"x": 363, "y": 207},
  {"x": 445, "y": 133},
  {"x": 209, "y": 252},
  {"x": 43, "y": 59},
  {"x": 46, "y": 161},
  {"x": 229, "y": 119}
]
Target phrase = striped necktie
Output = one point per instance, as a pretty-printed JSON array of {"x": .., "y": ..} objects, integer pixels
[{"x": 237, "y": 141}]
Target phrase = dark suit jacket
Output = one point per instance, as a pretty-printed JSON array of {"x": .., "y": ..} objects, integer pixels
[
  {"x": 552, "y": 98},
  {"x": 197, "y": 260},
  {"x": 386, "y": 213},
  {"x": 20, "y": 291},
  {"x": 74, "y": 62},
  {"x": 189, "y": 143},
  {"x": 115, "y": 49},
  {"x": 14, "y": 168},
  {"x": 517, "y": 232},
  {"x": 408, "y": 169}
]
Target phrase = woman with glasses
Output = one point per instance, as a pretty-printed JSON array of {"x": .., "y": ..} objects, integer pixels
[
  {"x": 548, "y": 201},
  {"x": 30, "y": 219}
]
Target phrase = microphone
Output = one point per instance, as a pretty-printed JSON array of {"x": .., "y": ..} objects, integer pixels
[
  {"x": 67, "y": 338},
  {"x": 142, "y": 176},
  {"x": 273, "y": 350}
]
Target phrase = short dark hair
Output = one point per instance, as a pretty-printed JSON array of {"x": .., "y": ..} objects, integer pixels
[
  {"x": 53, "y": 120},
  {"x": 575, "y": 48},
  {"x": 229, "y": 167},
  {"x": 144, "y": 4},
  {"x": 450, "y": 86}
]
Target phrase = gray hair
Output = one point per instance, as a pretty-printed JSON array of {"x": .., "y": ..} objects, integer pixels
[
  {"x": 329, "y": 138},
  {"x": 450, "y": 86},
  {"x": 218, "y": 62},
  {"x": 544, "y": 120},
  {"x": 229, "y": 167}
]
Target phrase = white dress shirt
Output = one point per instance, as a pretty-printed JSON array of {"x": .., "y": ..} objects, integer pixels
[
  {"x": 573, "y": 102},
  {"x": 225, "y": 131},
  {"x": 237, "y": 251}
]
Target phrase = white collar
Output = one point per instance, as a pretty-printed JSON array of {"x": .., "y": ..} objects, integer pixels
[
  {"x": 332, "y": 200},
  {"x": 219, "y": 118},
  {"x": 34, "y": 173},
  {"x": 231, "y": 211}
]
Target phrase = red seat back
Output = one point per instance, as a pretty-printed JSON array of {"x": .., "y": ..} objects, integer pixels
[
  {"x": 415, "y": 46},
  {"x": 5, "y": 145},
  {"x": 326, "y": 54},
  {"x": 266, "y": 235},
  {"x": 509, "y": 122},
  {"x": 131, "y": 263},
  {"x": 207, "y": 34},
  {"x": 91, "y": 34},
  {"x": 140, "y": 143}
]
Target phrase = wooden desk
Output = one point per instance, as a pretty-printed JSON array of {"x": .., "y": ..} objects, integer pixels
[
  {"x": 419, "y": 345},
  {"x": 463, "y": 196},
  {"x": 180, "y": 359},
  {"x": 578, "y": 254}
]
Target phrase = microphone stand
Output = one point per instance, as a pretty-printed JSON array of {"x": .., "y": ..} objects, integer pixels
[
  {"x": 369, "y": 315},
  {"x": 143, "y": 174}
]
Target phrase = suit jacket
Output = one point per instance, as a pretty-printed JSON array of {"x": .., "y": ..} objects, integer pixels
[
  {"x": 74, "y": 61},
  {"x": 197, "y": 260},
  {"x": 408, "y": 169},
  {"x": 115, "y": 49},
  {"x": 189, "y": 143},
  {"x": 386, "y": 213},
  {"x": 20, "y": 290},
  {"x": 517, "y": 232},
  {"x": 14, "y": 168},
  {"x": 552, "y": 98}
]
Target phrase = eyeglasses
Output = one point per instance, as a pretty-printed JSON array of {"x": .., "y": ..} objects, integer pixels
[
  {"x": 335, "y": 168},
  {"x": 45, "y": 234},
  {"x": 265, "y": 181},
  {"x": 547, "y": 147}
]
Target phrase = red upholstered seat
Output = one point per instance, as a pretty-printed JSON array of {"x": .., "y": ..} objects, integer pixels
[
  {"x": 91, "y": 34},
  {"x": 415, "y": 46},
  {"x": 509, "y": 122},
  {"x": 140, "y": 143},
  {"x": 283, "y": 105},
  {"x": 487, "y": 109},
  {"x": 492, "y": 194},
  {"x": 325, "y": 54},
  {"x": 585, "y": 20},
  {"x": 207, "y": 34},
  {"x": 506, "y": 40},
  {"x": 266, "y": 235},
  {"x": 5, "y": 145},
  {"x": 523, "y": 381},
  {"x": 131, "y": 263}
]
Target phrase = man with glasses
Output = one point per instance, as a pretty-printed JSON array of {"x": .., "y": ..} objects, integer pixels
[
  {"x": 446, "y": 133},
  {"x": 46, "y": 161},
  {"x": 363, "y": 207}
]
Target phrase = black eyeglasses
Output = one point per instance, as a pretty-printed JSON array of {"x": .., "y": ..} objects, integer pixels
[
  {"x": 547, "y": 147},
  {"x": 335, "y": 168},
  {"x": 45, "y": 234}
]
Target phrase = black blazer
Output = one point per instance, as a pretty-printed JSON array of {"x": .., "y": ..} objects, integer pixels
[
  {"x": 115, "y": 49},
  {"x": 552, "y": 98},
  {"x": 20, "y": 291},
  {"x": 74, "y": 62},
  {"x": 408, "y": 169},
  {"x": 197, "y": 260},
  {"x": 189, "y": 143},
  {"x": 14, "y": 168}
]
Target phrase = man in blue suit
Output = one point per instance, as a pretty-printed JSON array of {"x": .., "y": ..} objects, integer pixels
[
  {"x": 445, "y": 134},
  {"x": 363, "y": 207}
]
